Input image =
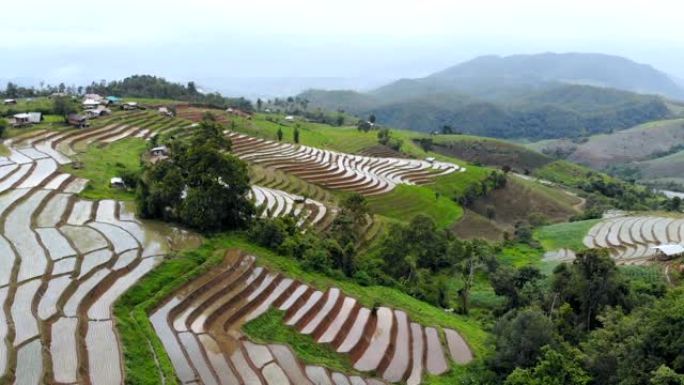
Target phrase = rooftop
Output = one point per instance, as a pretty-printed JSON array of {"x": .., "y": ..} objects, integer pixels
[{"x": 670, "y": 250}]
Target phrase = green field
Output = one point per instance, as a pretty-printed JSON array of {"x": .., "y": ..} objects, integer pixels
[
  {"x": 100, "y": 164},
  {"x": 564, "y": 235},
  {"x": 41, "y": 104},
  {"x": 405, "y": 202}
]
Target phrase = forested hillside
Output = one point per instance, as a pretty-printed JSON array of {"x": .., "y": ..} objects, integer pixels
[
  {"x": 532, "y": 97},
  {"x": 557, "y": 112}
]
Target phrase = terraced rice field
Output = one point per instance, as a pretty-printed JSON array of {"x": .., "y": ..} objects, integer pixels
[
  {"x": 630, "y": 238},
  {"x": 200, "y": 329},
  {"x": 275, "y": 203},
  {"x": 65, "y": 261},
  {"x": 335, "y": 170}
]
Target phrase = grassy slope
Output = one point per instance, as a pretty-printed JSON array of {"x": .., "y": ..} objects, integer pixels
[
  {"x": 100, "y": 164},
  {"x": 133, "y": 309},
  {"x": 490, "y": 152},
  {"x": 520, "y": 198},
  {"x": 564, "y": 235},
  {"x": 405, "y": 202},
  {"x": 24, "y": 105}
]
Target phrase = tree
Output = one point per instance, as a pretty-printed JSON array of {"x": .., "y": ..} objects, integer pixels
[
  {"x": 63, "y": 106},
  {"x": 192, "y": 89},
  {"x": 631, "y": 349},
  {"x": 296, "y": 134},
  {"x": 447, "y": 130},
  {"x": 3, "y": 126},
  {"x": 363, "y": 125},
  {"x": 200, "y": 186},
  {"x": 260, "y": 103},
  {"x": 473, "y": 260},
  {"x": 280, "y": 134},
  {"x": 371, "y": 118},
  {"x": 589, "y": 285},
  {"x": 11, "y": 91},
  {"x": 339, "y": 121},
  {"x": 666, "y": 376},
  {"x": 519, "y": 337},
  {"x": 555, "y": 367},
  {"x": 674, "y": 204},
  {"x": 384, "y": 136}
]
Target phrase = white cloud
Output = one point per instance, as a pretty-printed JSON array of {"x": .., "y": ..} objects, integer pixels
[{"x": 324, "y": 37}]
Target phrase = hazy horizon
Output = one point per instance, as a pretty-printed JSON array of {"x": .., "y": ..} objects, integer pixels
[{"x": 264, "y": 46}]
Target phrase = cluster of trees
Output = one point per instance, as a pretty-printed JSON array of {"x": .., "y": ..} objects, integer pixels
[
  {"x": 585, "y": 324},
  {"x": 332, "y": 252},
  {"x": 201, "y": 186},
  {"x": 15, "y": 91},
  {"x": 147, "y": 86},
  {"x": 495, "y": 180},
  {"x": 300, "y": 106},
  {"x": 385, "y": 138},
  {"x": 561, "y": 113}
]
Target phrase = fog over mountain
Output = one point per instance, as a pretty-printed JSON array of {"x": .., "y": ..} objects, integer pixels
[{"x": 268, "y": 48}]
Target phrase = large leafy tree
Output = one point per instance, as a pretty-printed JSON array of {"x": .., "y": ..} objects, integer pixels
[
  {"x": 519, "y": 338},
  {"x": 589, "y": 285},
  {"x": 201, "y": 185},
  {"x": 555, "y": 367}
]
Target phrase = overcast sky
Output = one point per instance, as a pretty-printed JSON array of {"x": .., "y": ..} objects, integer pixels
[{"x": 372, "y": 40}]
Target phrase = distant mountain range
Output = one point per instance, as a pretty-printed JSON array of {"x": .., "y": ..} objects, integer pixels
[{"x": 522, "y": 96}]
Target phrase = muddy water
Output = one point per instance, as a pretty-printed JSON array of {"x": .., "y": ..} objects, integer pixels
[
  {"x": 104, "y": 362},
  {"x": 458, "y": 348},
  {"x": 417, "y": 353},
  {"x": 274, "y": 375},
  {"x": 402, "y": 354},
  {"x": 435, "y": 361},
  {"x": 218, "y": 361},
  {"x": 63, "y": 350},
  {"x": 29, "y": 369},
  {"x": 160, "y": 235},
  {"x": 25, "y": 324},
  {"x": 338, "y": 322},
  {"x": 379, "y": 342},
  {"x": 318, "y": 375},
  {"x": 331, "y": 300},
  {"x": 356, "y": 331},
  {"x": 3, "y": 335},
  {"x": 287, "y": 361}
]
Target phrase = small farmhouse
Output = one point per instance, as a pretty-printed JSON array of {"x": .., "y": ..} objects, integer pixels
[
  {"x": 9, "y": 101},
  {"x": 667, "y": 252},
  {"x": 78, "y": 121},
  {"x": 130, "y": 106},
  {"x": 26, "y": 118}
]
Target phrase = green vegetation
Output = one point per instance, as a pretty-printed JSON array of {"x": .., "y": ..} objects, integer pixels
[
  {"x": 405, "y": 202},
  {"x": 557, "y": 112},
  {"x": 100, "y": 164},
  {"x": 519, "y": 255},
  {"x": 200, "y": 185},
  {"x": 490, "y": 152},
  {"x": 564, "y": 235},
  {"x": 271, "y": 328},
  {"x": 152, "y": 87}
]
